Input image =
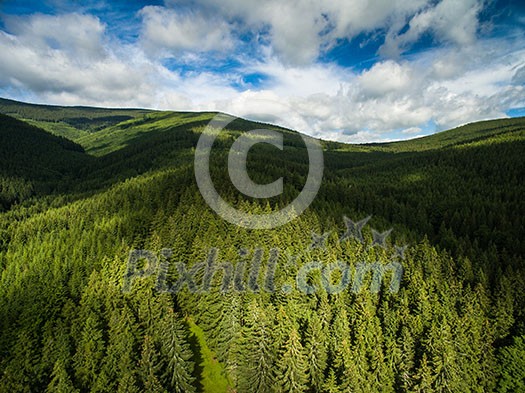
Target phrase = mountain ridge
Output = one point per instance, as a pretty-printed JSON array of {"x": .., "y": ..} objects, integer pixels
[{"x": 43, "y": 113}]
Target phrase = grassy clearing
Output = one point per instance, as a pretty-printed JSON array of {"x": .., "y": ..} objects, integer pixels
[{"x": 209, "y": 371}]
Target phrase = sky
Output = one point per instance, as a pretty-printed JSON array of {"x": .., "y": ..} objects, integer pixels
[{"x": 348, "y": 70}]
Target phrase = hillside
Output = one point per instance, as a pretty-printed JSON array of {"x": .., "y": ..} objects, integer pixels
[
  {"x": 72, "y": 122},
  {"x": 34, "y": 161},
  {"x": 72, "y": 319},
  {"x": 467, "y": 134}
]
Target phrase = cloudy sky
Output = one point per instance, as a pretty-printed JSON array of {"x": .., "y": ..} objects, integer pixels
[{"x": 348, "y": 70}]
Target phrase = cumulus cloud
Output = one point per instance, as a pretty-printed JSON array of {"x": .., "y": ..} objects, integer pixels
[
  {"x": 392, "y": 96},
  {"x": 87, "y": 68},
  {"x": 385, "y": 77},
  {"x": 451, "y": 21},
  {"x": 168, "y": 31},
  {"x": 65, "y": 56},
  {"x": 81, "y": 35},
  {"x": 299, "y": 31}
]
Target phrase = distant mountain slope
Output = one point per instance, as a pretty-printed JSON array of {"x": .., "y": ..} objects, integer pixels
[
  {"x": 103, "y": 130},
  {"x": 71, "y": 122},
  {"x": 468, "y": 133},
  {"x": 28, "y": 150},
  {"x": 34, "y": 161}
]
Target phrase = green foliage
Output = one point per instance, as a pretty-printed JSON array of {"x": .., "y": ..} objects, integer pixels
[
  {"x": 512, "y": 366},
  {"x": 71, "y": 218},
  {"x": 57, "y": 128},
  {"x": 149, "y": 367},
  {"x": 258, "y": 356},
  {"x": 33, "y": 161},
  {"x": 61, "y": 381},
  {"x": 152, "y": 129}
]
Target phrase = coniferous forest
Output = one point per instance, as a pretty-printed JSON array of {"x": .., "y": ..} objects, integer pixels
[{"x": 106, "y": 245}]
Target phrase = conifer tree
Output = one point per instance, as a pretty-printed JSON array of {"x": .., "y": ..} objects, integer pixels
[
  {"x": 291, "y": 375},
  {"x": 89, "y": 353},
  {"x": 177, "y": 354},
  {"x": 120, "y": 359},
  {"x": 424, "y": 377},
  {"x": 512, "y": 367},
  {"x": 229, "y": 334},
  {"x": 149, "y": 367},
  {"x": 60, "y": 380},
  {"x": 256, "y": 352},
  {"x": 330, "y": 384},
  {"x": 316, "y": 351}
]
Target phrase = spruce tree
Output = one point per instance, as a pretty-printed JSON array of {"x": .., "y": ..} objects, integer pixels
[
  {"x": 60, "y": 380},
  {"x": 292, "y": 366},
  {"x": 256, "y": 352},
  {"x": 176, "y": 352},
  {"x": 149, "y": 367},
  {"x": 316, "y": 351},
  {"x": 512, "y": 367},
  {"x": 90, "y": 352}
]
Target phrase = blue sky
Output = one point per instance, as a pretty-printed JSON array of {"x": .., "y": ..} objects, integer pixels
[{"x": 348, "y": 70}]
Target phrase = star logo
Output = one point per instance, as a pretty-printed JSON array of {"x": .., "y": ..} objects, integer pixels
[
  {"x": 379, "y": 239},
  {"x": 319, "y": 241},
  {"x": 400, "y": 251},
  {"x": 354, "y": 229}
]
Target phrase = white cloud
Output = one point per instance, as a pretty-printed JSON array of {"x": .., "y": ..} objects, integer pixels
[
  {"x": 385, "y": 77},
  {"x": 81, "y": 35},
  {"x": 299, "y": 30},
  {"x": 38, "y": 59},
  {"x": 519, "y": 76},
  {"x": 170, "y": 31},
  {"x": 480, "y": 83},
  {"x": 301, "y": 80},
  {"x": 38, "y": 56},
  {"x": 292, "y": 27},
  {"x": 451, "y": 21}
]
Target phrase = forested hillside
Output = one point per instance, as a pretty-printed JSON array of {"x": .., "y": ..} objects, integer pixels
[
  {"x": 33, "y": 161},
  {"x": 73, "y": 122},
  {"x": 72, "y": 318}
]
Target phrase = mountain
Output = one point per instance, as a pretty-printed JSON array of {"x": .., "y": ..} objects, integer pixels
[
  {"x": 73, "y": 122},
  {"x": 83, "y": 310}
]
